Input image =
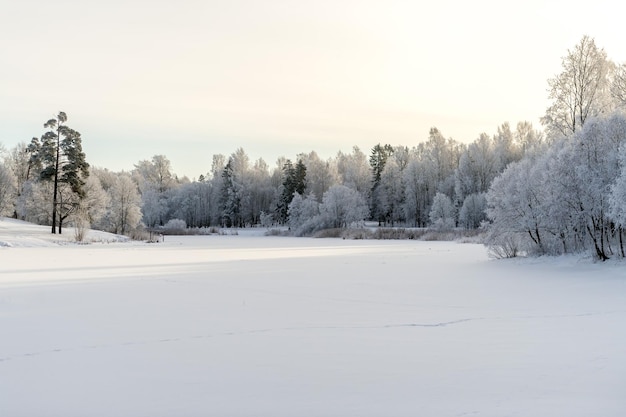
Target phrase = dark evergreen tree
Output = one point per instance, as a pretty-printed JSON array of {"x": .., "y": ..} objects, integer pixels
[
  {"x": 378, "y": 159},
  {"x": 59, "y": 157},
  {"x": 300, "y": 177},
  {"x": 294, "y": 181}
]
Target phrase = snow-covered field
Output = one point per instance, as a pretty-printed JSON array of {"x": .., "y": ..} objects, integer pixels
[{"x": 250, "y": 325}]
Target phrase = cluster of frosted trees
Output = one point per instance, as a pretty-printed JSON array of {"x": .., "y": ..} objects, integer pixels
[
  {"x": 439, "y": 182},
  {"x": 570, "y": 198}
]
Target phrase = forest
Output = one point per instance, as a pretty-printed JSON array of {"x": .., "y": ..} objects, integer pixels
[{"x": 552, "y": 190}]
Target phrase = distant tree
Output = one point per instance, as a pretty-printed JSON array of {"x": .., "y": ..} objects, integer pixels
[
  {"x": 155, "y": 181},
  {"x": 442, "y": 213},
  {"x": 416, "y": 193},
  {"x": 62, "y": 161},
  {"x": 193, "y": 203},
  {"x": 261, "y": 191},
  {"x": 320, "y": 174},
  {"x": 342, "y": 206},
  {"x": 7, "y": 190},
  {"x": 304, "y": 215},
  {"x": 390, "y": 194},
  {"x": 156, "y": 173},
  {"x": 378, "y": 160},
  {"x": 94, "y": 206},
  {"x": 473, "y": 211},
  {"x": 528, "y": 138},
  {"x": 618, "y": 85},
  {"x": 33, "y": 205},
  {"x": 354, "y": 171},
  {"x": 17, "y": 161},
  {"x": 505, "y": 148},
  {"x": 580, "y": 91},
  {"x": 294, "y": 182},
  {"x": 477, "y": 168},
  {"x": 242, "y": 187},
  {"x": 230, "y": 197}
]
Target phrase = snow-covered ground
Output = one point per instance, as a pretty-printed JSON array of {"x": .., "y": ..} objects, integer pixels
[{"x": 250, "y": 325}]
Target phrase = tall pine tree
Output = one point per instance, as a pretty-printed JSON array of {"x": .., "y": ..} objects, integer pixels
[{"x": 60, "y": 157}]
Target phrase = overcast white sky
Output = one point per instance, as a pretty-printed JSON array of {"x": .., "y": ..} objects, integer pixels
[{"x": 191, "y": 78}]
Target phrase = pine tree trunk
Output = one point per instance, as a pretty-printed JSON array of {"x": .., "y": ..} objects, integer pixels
[{"x": 56, "y": 185}]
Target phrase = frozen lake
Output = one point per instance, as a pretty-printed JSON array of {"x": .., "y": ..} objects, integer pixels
[{"x": 275, "y": 326}]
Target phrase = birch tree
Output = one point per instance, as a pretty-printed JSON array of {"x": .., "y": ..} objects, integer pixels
[{"x": 580, "y": 91}]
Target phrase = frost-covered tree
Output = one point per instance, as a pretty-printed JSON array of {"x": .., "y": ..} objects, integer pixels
[
  {"x": 390, "y": 194},
  {"x": 505, "y": 149},
  {"x": 95, "y": 203},
  {"x": 442, "y": 156},
  {"x": 155, "y": 179},
  {"x": 478, "y": 166},
  {"x": 155, "y": 173},
  {"x": 216, "y": 181},
  {"x": 617, "y": 197},
  {"x": 442, "y": 213},
  {"x": 596, "y": 159},
  {"x": 304, "y": 214},
  {"x": 261, "y": 191},
  {"x": 17, "y": 161},
  {"x": 193, "y": 202},
  {"x": 618, "y": 85},
  {"x": 473, "y": 211},
  {"x": 33, "y": 205},
  {"x": 354, "y": 171},
  {"x": 516, "y": 207},
  {"x": 241, "y": 186},
  {"x": 528, "y": 138},
  {"x": 320, "y": 174},
  {"x": 343, "y": 206},
  {"x": 7, "y": 191},
  {"x": 125, "y": 210},
  {"x": 580, "y": 91},
  {"x": 417, "y": 194}
]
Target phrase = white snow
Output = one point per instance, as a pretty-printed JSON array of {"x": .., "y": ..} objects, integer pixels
[{"x": 250, "y": 325}]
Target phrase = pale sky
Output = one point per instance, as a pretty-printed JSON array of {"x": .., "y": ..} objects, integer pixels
[{"x": 193, "y": 78}]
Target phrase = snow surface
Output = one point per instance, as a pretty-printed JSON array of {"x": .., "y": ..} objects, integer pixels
[{"x": 250, "y": 325}]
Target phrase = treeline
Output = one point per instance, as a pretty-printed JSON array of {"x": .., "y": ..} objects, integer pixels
[
  {"x": 557, "y": 191},
  {"x": 439, "y": 182}
]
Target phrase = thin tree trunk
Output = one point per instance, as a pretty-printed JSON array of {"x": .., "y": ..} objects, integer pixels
[{"x": 56, "y": 185}]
